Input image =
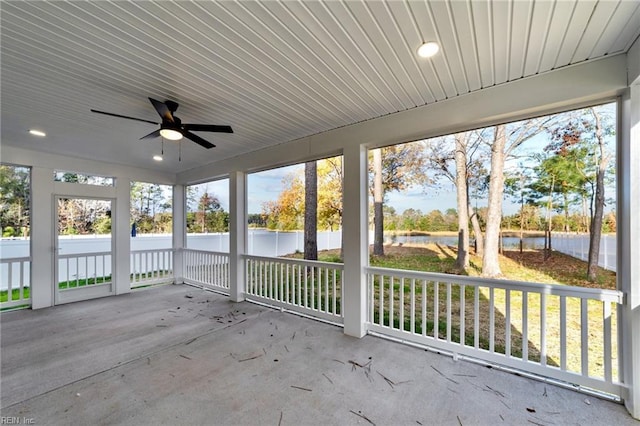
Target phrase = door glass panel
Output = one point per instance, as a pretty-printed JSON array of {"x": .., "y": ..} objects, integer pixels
[{"x": 83, "y": 244}]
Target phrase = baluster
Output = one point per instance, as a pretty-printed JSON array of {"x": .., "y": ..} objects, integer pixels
[
  {"x": 424, "y": 308},
  {"x": 392, "y": 301},
  {"x": 476, "y": 317},
  {"x": 370, "y": 297},
  {"x": 436, "y": 309},
  {"x": 563, "y": 333},
  {"x": 462, "y": 313},
  {"x": 326, "y": 290},
  {"x": 507, "y": 328},
  {"x": 606, "y": 321},
  {"x": 412, "y": 324},
  {"x": 492, "y": 319},
  {"x": 22, "y": 264},
  {"x": 584, "y": 342},
  {"x": 401, "y": 305},
  {"x": 543, "y": 329},
  {"x": 381, "y": 302},
  {"x": 315, "y": 298},
  {"x": 448, "y": 287},
  {"x": 525, "y": 326},
  {"x": 299, "y": 284},
  {"x": 335, "y": 283},
  {"x": 10, "y": 285}
]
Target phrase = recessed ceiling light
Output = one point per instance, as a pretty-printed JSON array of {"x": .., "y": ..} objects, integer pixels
[
  {"x": 157, "y": 157},
  {"x": 428, "y": 49},
  {"x": 37, "y": 133}
]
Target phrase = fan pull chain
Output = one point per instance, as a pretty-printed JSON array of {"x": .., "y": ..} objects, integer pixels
[
  {"x": 162, "y": 151},
  {"x": 180, "y": 150}
]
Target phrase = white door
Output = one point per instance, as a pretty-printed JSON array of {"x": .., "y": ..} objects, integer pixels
[{"x": 83, "y": 249}]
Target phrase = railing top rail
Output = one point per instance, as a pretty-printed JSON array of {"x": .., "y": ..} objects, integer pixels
[
  {"x": 151, "y": 250},
  {"x": 552, "y": 289},
  {"x": 98, "y": 253},
  {"x": 333, "y": 265},
  {"x": 15, "y": 259},
  {"x": 219, "y": 253}
]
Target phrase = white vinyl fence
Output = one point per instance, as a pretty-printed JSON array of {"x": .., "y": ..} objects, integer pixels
[{"x": 577, "y": 245}]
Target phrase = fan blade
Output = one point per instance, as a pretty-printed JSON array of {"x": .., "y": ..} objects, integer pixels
[
  {"x": 163, "y": 110},
  {"x": 207, "y": 128},
  {"x": 123, "y": 116},
  {"x": 152, "y": 135},
  {"x": 197, "y": 139}
]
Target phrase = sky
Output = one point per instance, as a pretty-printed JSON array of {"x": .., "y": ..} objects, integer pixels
[{"x": 267, "y": 185}]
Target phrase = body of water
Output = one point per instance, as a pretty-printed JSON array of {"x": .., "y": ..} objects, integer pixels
[{"x": 528, "y": 243}]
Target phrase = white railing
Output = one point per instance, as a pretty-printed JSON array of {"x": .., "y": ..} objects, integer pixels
[
  {"x": 310, "y": 287},
  {"x": 577, "y": 245},
  {"x": 83, "y": 269},
  {"x": 15, "y": 282},
  {"x": 562, "y": 332},
  {"x": 207, "y": 269},
  {"x": 150, "y": 267}
]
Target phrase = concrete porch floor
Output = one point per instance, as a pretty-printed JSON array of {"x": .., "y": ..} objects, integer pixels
[{"x": 179, "y": 355}]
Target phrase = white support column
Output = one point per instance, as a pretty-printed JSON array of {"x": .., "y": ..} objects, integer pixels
[
  {"x": 179, "y": 232},
  {"x": 121, "y": 236},
  {"x": 629, "y": 243},
  {"x": 42, "y": 237},
  {"x": 355, "y": 240},
  {"x": 237, "y": 234}
]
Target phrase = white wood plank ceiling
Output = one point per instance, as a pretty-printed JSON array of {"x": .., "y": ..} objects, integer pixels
[{"x": 275, "y": 71}]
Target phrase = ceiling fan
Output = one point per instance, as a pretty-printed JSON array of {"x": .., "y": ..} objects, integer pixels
[{"x": 172, "y": 127}]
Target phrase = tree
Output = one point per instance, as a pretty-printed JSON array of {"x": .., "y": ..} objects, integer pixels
[
  {"x": 311, "y": 210},
  {"x": 601, "y": 162},
  {"x": 460, "y": 160},
  {"x": 14, "y": 200},
  {"x": 507, "y": 138},
  {"x": 148, "y": 201},
  {"x": 287, "y": 212},
  {"x": 207, "y": 204},
  {"x": 83, "y": 216},
  {"x": 490, "y": 265},
  {"x": 462, "y": 196},
  {"x": 560, "y": 179},
  {"x": 394, "y": 168},
  {"x": 585, "y": 136},
  {"x": 330, "y": 184},
  {"x": 378, "y": 199},
  {"x": 330, "y": 180}
]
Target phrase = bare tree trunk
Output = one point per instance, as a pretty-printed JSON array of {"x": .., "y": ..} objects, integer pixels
[
  {"x": 490, "y": 263},
  {"x": 598, "y": 211},
  {"x": 477, "y": 231},
  {"x": 547, "y": 241},
  {"x": 311, "y": 210},
  {"x": 378, "y": 214},
  {"x": 460, "y": 156}
]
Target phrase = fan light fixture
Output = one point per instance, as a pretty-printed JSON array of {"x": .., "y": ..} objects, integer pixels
[
  {"x": 428, "y": 49},
  {"x": 37, "y": 133},
  {"x": 157, "y": 157},
  {"x": 172, "y": 135}
]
